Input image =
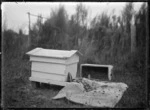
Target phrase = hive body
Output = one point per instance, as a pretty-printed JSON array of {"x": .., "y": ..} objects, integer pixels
[{"x": 50, "y": 66}]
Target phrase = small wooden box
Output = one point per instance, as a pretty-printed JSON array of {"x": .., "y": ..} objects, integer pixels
[
  {"x": 109, "y": 69},
  {"x": 52, "y": 66}
]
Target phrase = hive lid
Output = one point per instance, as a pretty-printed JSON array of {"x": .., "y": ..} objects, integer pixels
[
  {"x": 52, "y": 53},
  {"x": 97, "y": 65}
]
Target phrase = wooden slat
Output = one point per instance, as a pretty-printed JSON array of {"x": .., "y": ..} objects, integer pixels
[
  {"x": 42, "y": 80},
  {"x": 48, "y": 67},
  {"x": 45, "y": 59},
  {"x": 53, "y": 76}
]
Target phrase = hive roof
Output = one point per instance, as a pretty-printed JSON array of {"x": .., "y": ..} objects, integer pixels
[{"x": 53, "y": 53}]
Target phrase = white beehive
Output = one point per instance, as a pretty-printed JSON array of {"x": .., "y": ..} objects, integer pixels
[{"x": 53, "y": 66}]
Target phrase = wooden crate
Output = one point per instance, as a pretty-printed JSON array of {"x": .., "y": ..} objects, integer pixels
[{"x": 108, "y": 73}]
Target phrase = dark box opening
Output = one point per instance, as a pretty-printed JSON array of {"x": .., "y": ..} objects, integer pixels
[{"x": 100, "y": 73}]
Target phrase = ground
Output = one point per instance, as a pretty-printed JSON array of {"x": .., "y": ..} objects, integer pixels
[{"x": 19, "y": 93}]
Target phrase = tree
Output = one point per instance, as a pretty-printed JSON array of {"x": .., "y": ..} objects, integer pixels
[
  {"x": 79, "y": 23},
  {"x": 81, "y": 14},
  {"x": 141, "y": 26},
  {"x": 35, "y": 32},
  {"x": 94, "y": 22},
  {"x": 20, "y": 32},
  {"x": 53, "y": 31},
  {"x": 59, "y": 18},
  {"x": 104, "y": 20},
  {"x": 127, "y": 16}
]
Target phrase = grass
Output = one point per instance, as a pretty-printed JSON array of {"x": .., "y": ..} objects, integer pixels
[
  {"x": 19, "y": 93},
  {"x": 135, "y": 96}
]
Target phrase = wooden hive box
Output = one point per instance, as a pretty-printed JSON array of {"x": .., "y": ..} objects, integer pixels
[
  {"x": 52, "y": 66},
  {"x": 109, "y": 72}
]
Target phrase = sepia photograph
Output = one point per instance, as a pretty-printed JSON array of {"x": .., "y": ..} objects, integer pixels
[{"x": 74, "y": 55}]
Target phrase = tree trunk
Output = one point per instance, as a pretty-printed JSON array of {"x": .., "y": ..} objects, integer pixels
[{"x": 133, "y": 38}]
